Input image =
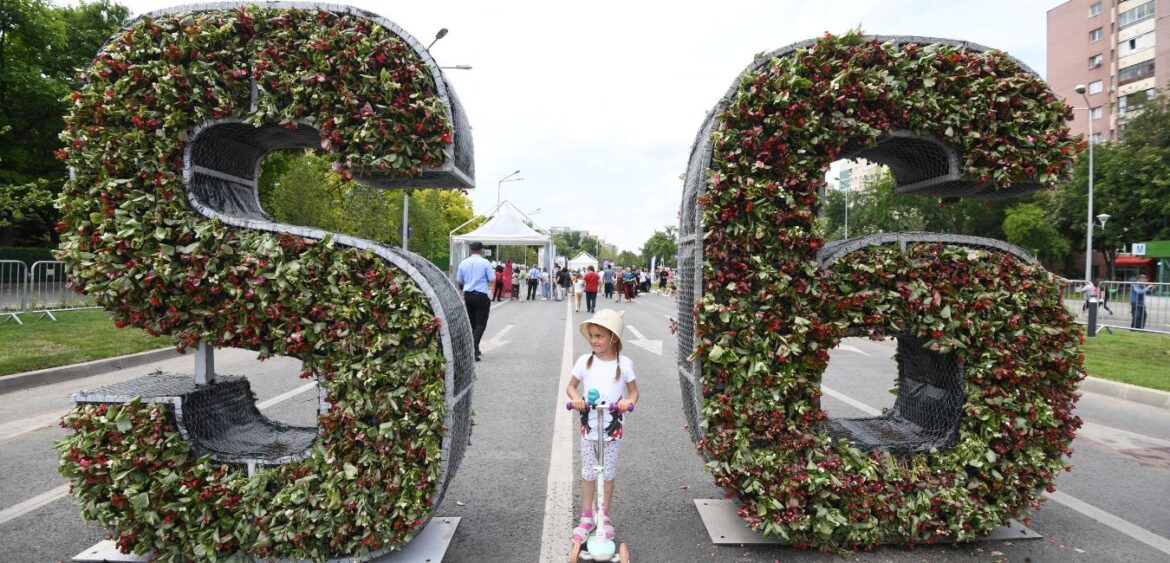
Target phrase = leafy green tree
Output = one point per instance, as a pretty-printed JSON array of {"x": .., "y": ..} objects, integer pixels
[
  {"x": 664, "y": 245},
  {"x": 300, "y": 188},
  {"x": 876, "y": 208},
  {"x": 41, "y": 48},
  {"x": 1029, "y": 226},
  {"x": 1131, "y": 184},
  {"x": 627, "y": 258},
  {"x": 571, "y": 243}
]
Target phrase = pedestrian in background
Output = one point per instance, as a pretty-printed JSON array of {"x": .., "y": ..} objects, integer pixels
[
  {"x": 498, "y": 285},
  {"x": 1137, "y": 302},
  {"x": 533, "y": 282},
  {"x": 592, "y": 280},
  {"x": 564, "y": 282},
  {"x": 578, "y": 291},
  {"x": 607, "y": 278},
  {"x": 473, "y": 276}
]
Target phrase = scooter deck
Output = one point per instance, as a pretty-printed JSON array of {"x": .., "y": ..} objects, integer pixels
[{"x": 581, "y": 553}]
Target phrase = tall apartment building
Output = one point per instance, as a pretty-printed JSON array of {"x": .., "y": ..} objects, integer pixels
[
  {"x": 1117, "y": 50},
  {"x": 855, "y": 174}
]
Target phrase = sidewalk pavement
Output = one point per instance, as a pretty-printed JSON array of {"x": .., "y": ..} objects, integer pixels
[{"x": 26, "y": 380}]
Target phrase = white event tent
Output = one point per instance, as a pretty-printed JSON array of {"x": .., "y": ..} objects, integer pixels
[
  {"x": 582, "y": 261},
  {"x": 506, "y": 226}
]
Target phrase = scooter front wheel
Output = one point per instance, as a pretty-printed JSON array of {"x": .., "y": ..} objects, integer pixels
[{"x": 624, "y": 553}]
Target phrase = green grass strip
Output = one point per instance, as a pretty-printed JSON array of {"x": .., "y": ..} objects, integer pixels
[
  {"x": 1129, "y": 357},
  {"x": 77, "y": 336}
]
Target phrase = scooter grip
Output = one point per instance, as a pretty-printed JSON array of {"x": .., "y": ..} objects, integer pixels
[{"x": 613, "y": 407}]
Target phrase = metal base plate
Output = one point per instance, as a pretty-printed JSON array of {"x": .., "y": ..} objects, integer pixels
[
  {"x": 107, "y": 550},
  {"x": 429, "y": 545},
  {"x": 721, "y": 518}
]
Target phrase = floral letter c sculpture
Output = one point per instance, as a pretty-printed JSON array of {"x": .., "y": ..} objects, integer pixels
[
  {"x": 162, "y": 225},
  {"x": 987, "y": 355}
]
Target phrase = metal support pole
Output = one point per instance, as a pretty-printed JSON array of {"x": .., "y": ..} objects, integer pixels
[
  {"x": 405, "y": 217},
  {"x": 1092, "y": 324},
  {"x": 846, "y": 211},
  {"x": 1092, "y": 330},
  {"x": 204, "y": 363}
]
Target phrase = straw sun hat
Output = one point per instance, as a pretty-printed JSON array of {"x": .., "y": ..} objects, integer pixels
[{"x": 607, "y": 318}]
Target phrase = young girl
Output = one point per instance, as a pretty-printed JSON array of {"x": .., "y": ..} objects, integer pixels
[
  {"x": 612, "y": 374},
  {"x": 578, "y": 291}
]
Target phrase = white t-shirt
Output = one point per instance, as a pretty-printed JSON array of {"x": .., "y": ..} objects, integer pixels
[{"x": 601, "y": 377}]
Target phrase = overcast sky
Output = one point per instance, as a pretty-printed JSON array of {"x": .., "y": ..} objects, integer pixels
[{"x": 597, "y": 103}]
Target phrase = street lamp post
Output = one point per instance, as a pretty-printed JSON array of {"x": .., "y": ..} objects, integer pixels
[
  {"x": 846, "y": 187},
  {"x": 507, "y": 178},
  {"x": 1092, "y": 329}
]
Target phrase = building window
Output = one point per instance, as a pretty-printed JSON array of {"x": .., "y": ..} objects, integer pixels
[
  {"x": 1095, "y": 87},
  {"x": 1096, "y": 60},
  {"x": 1096, "y": 139},
  {"x": 1131, "y": 46},
  {"x": 1135, "y": 72},
  {"x": 1133, "y": 102},
  {"x": 1095, "y": 35},
  {"x": 1094, "y": 9},
  {"x": 1135, "y": 15},
  {"x": 1096, "y": 113}
]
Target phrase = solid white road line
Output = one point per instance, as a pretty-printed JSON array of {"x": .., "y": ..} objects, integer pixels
[
  {"x": 23, "y": 426},
  {"x": 850, "y": 401},
  {"x": 1096, "y": 432},
  {"x": 558, "y": 497},
  {"x": 854, "y": 349},
  {"x": 496, "y": 340},
  {"x": 1119, "y": 439},
  {"x": 286, "y": 395},
  {"x": 26, "y": 506},
  {"x": 1128, "y": 528}
]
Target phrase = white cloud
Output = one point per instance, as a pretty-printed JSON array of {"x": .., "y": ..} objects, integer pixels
[{"x": 598, "y": 103}]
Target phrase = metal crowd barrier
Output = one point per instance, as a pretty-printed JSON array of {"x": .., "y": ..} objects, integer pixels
[
  {"x": 43, "y": 288},
  {"x": 1113, "y": 307}
]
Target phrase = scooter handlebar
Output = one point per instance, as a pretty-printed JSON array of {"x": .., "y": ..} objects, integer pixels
[{"x": 613, "y": 407}]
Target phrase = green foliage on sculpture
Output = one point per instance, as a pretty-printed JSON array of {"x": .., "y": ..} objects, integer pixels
[
  {"x": 365, "y": 329},
  {"x": 767, "y": 312}
]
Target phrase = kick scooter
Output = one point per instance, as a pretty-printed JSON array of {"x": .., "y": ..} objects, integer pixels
[{"x": 597, "y": 547}]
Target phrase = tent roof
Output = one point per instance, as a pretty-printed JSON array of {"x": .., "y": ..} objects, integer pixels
[
  {"x": 583, "y": 257},
  {"x": 506, "y": 226}
]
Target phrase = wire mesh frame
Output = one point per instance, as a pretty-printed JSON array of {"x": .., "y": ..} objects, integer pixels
[
  {"x": 220, "y": 419},
  {"x": 233, "y": 200}
]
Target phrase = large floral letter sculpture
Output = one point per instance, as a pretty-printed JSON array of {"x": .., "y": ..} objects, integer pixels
[
  {"x": 987, "y": 356},
  {"x": 162, "y": 225}
]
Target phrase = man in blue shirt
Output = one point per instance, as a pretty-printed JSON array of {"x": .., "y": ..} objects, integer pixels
[
  {"x": 607, "y": 278},
  {"x": 533, "y": 282},
  {"x": 473, "y": 276},
  {"x": 1137, "y": 302}
]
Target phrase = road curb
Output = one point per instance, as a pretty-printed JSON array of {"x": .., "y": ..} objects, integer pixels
[
  {"x": 1144, "y": 395},
  {"x": 29, "y": 379}
]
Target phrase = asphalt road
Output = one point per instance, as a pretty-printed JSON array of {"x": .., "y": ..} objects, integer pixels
[{"x": 1111, "y": 507}]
